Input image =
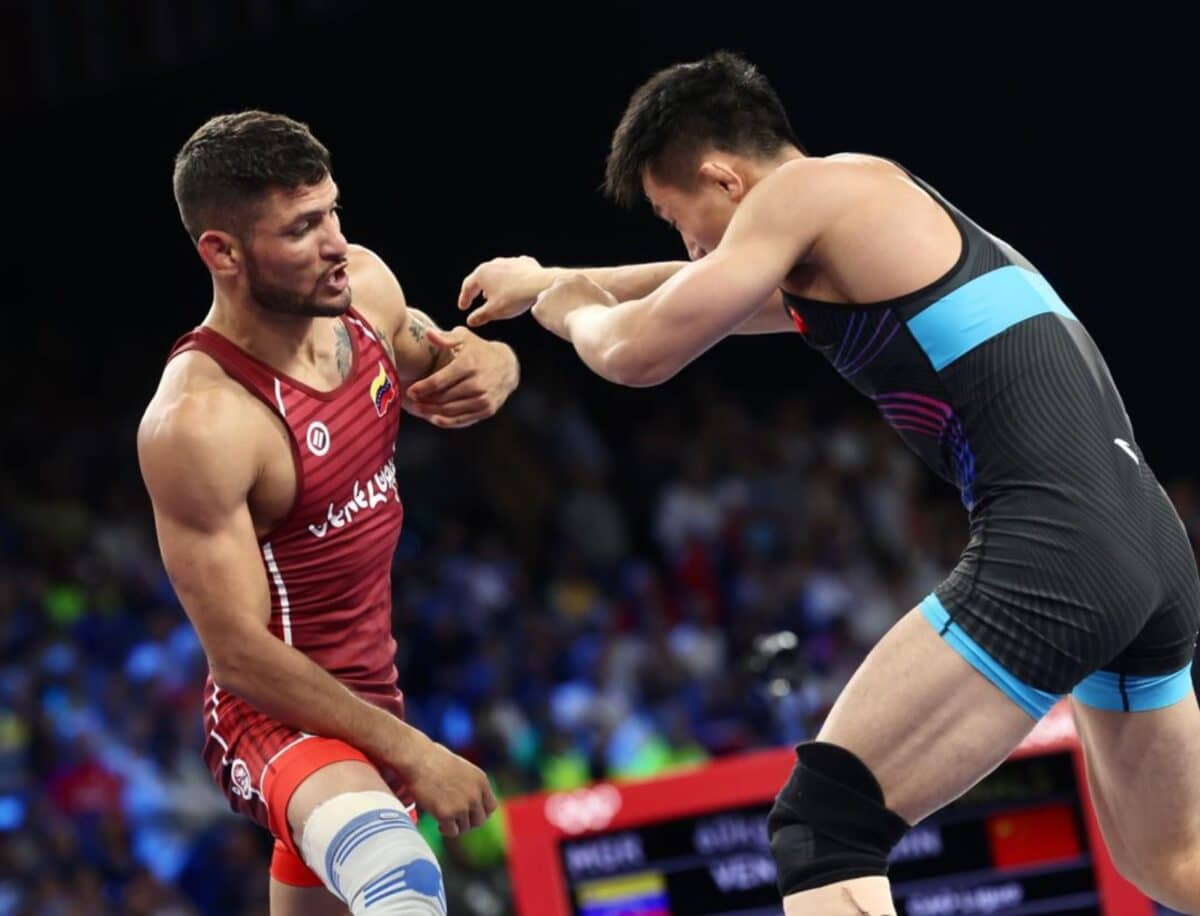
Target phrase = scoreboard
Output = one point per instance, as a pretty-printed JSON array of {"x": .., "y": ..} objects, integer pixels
[{"x": 1025, "y": 840}]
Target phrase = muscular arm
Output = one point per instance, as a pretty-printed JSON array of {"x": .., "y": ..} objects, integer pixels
[
  {"x": 452, "y": 378},
  {"x": 635, "y": 281},
  {"x": 645, "y": 341},
  {"x": 402, "y": 331},
  {"x": 511, "y": 285},
  {"x": 416, "y": 355},
  {"x": 630, "y": 281},
  {"x": 771, "y": 318},
  {"x": 197, "y": 458}
]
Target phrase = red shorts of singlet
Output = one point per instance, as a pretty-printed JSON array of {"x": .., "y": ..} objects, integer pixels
[{"x": 258, "y": 764}]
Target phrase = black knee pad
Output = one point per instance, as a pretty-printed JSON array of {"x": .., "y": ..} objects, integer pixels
[{"x": 829, "y": 823}]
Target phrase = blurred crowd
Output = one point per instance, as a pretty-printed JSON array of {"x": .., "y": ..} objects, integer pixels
[{"x": 576, "y": 597}]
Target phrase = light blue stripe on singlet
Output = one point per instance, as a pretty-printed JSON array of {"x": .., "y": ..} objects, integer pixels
[
  {"x": 977, "y": 311},
  {"x": 1035, "y": 702},
  {"x": 1105, "y": 690}
]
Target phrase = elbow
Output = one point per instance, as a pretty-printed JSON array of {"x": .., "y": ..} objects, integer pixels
[
  {"x": 643, "y": 376},
  {"x": 227, "y": 672},
  {"x": 626, "y": 366},
  {"x": 233, "y": 666}
]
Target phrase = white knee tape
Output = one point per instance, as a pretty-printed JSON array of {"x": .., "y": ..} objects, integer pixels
[{"x": 367, "y": 850}]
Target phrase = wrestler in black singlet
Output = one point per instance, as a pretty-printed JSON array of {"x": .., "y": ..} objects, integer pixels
[{"x": 1078, "y": 574}]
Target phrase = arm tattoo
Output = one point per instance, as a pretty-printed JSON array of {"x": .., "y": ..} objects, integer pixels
[
  {"x": 387, "y": 345},
  {"x": 344, "y": 350},
  {"x": 416, "y": 327}
]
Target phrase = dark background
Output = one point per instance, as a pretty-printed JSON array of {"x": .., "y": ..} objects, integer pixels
[{"x": 459, "y": 134}]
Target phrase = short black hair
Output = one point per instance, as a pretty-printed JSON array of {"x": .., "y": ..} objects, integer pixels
[
  {"x": 721, "y": 101},
  {"x": 233, "y": 159}
]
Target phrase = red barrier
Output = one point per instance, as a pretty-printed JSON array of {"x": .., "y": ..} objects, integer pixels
[{"x": 694, "y": 842}]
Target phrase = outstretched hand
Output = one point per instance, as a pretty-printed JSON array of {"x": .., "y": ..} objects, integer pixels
[{"x": 508, "y": 286}]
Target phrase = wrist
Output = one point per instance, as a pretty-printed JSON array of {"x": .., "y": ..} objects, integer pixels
[
  {"x": 510, "y": 356},
  {"x": 396, "y": 743}
]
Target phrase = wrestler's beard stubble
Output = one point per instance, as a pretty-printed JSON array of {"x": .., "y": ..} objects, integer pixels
[{"x": 283, "y": 301}]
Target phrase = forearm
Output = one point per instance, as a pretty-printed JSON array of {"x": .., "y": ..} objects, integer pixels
[
  {"x": 288, "y": 686},
  {"x": 645, "y": 341},
  {"x": 608, "y": 342},
  {"x": 630, "y": 281}
]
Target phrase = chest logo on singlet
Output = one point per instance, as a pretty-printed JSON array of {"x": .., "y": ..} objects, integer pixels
[
  {"x": 378, "y": 489},
  {"x": 382, "y": 391},
  {"x": 318, "y": 438}
]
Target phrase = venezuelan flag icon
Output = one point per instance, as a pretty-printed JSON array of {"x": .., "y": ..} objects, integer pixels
[
  {"x": 641, "y": 894},
  {"x": 383, "y": 392}
]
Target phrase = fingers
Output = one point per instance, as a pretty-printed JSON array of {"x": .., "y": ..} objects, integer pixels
[
  {"x": 497, "y": 309},
  {"x": 442, "y": 380},
  {"x": 483, "y": 314},
  {"x": 495, "y": 305},
  {"x": 455, "y": 408},
  {"x": 471, "y": 288},
  {"x": 447, "y": 339},
  {"x": 506, "y": 285},
  {"x": 479, "y": 368},
  {"x": 470, "y": 817},
  {"x": 462, "y": 799},
  {"x": 479, "y": 816},
  {"x": 482, "y": 808},
  {"x": 457, "y": 412},
  {"x": 462, "y": 422}
]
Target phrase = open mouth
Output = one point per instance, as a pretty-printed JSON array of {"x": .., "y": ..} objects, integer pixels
[{"x": 337, "y": 279}]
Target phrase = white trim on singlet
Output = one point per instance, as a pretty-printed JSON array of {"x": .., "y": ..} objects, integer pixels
[
  {"x": 263, "y": 774},
  {"x": 216, "y": 701},
  {"x": 285, "y": 609},
  {"x": 290, "y": 744},
  {"x": 366, "y": 330},
  {"x": 279, "y": 398}
]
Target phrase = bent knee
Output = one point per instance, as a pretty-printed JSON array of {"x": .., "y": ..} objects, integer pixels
[
  {"x": 412, "y": 889},
  {"x": 368, "y": 853},
  {"x": 829, "y": 822}
]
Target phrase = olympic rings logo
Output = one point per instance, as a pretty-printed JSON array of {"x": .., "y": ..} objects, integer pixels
[{"x": 583, "y": 810}]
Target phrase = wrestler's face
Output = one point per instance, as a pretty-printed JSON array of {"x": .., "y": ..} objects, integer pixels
[
  {"x": 296, "y": 253},
  {"x": 699, "y": 213}
]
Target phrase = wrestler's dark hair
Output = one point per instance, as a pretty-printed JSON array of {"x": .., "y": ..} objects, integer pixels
[
  {"x": 722, "y": 101},
  {"x": 225, "y": 167}
]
